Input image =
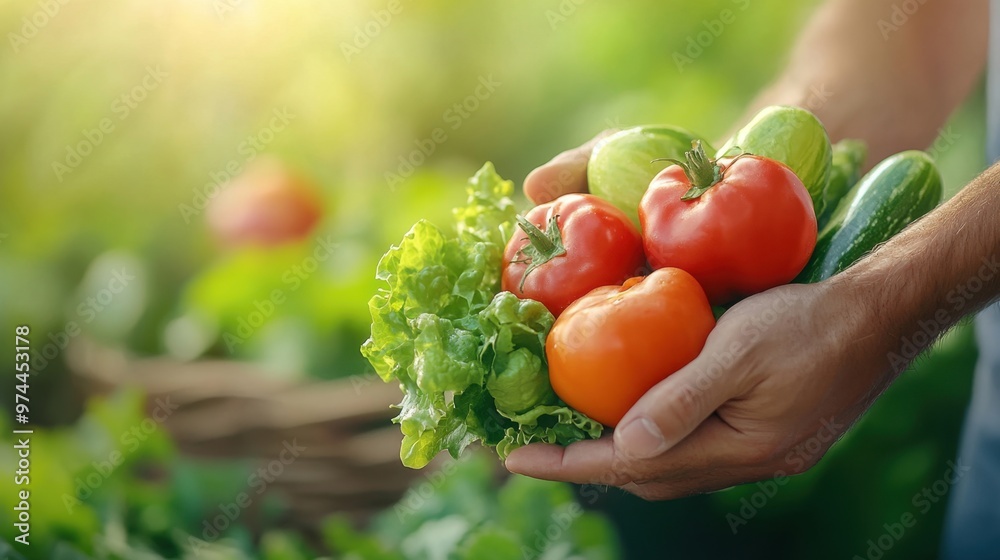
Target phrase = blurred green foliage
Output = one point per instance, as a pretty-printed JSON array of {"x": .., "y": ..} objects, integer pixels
[
  {"x": 459, "y": 514},
  {"x": 185, "y": 90},
  {"x": 113, "y": 488}
]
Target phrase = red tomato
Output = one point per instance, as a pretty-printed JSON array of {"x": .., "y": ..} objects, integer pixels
[
  {"x": 587, "y": 243},
  {"x": 265, "y": 205},
  {"x": 740, "y": 225},
  {"x": 612, "y": 345}
]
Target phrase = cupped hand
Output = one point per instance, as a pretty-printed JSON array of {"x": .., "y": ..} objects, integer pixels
[
  {"x": 782, "y": 376},
  {"x": 563, "y": 174}
]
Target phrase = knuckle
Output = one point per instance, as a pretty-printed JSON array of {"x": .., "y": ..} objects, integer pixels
[
  {"x": 654, "y": 492},
  {"x": 614, "y": 478},
  {"x": 626, "y": 471},
  {"x": 685, "y": 408}
]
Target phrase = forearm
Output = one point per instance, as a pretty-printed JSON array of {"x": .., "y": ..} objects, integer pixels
[
  {"x": 931, "y": 275},
  {"x": 891, "y": 85}
]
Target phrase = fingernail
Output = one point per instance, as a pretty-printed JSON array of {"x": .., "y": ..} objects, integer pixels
[
  {"x": 640, "y": 439},
  {"x": 511, "y": 464}
]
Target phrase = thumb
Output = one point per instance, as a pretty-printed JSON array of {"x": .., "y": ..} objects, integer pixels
[
  {"x": 565, "y": 173},
  {"x": 672, "y": 409}
]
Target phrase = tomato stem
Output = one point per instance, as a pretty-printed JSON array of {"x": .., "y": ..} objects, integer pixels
[
  {"x": 702, "y": 171},
  {"x": 542, "y": 246}
]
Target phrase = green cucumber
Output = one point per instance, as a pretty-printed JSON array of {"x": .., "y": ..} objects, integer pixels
[
  {"x": 621, "y": 165},
  {"x": 890, "y": 197},
  {"x": 848, "y": 159},
  {"x": 793, "y": 136}
]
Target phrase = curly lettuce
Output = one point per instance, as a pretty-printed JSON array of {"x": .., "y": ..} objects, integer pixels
[{"x": 469, "y": 358}]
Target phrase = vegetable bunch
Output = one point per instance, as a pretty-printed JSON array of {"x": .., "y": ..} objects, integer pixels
[
  {"x": 469, "y": 358},
  {"x": 512, "y": 329}
]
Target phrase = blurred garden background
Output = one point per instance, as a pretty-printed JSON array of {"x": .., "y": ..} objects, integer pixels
[{"x": 124, "y": 120}]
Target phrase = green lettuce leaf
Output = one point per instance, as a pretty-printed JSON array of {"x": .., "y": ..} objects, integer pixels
[
  {"x": 489, "y": 213},
  {"x": 521, "y": 384},
  {"x": 515, "y": 332},
  {"x": 428, "y": 426},
  {"x": 548, "y": 424},
  {"x": 445, "y": 358},
  {"x": 469, "y": 358}
]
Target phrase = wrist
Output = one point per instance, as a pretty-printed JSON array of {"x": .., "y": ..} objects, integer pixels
[
  {"x": 898, "y": 305},
  {"x": 870, "y": 323}
]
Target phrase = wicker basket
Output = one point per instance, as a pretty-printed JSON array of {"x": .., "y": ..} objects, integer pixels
[{"x": 232, "y": 410}]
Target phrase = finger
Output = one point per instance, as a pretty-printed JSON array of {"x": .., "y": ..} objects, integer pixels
[
  {"x": 565, "y": 173},
  {"x": 674, "y": 408},
  {"x": 583, "y": 462},
  {"x": 699, "y": 483},
  {"x": 714, "y": 454}
]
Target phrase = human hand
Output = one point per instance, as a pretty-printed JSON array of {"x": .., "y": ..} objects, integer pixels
[
  {"x": 781, "y": 377},
  {"x": 563, "y": 174}
]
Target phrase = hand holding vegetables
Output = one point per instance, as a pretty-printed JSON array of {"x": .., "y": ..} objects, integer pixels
[
  {"x": 773, "y": 372},
  {"x": 797, "y": 364},
  {"x": 586, "y": 344}
]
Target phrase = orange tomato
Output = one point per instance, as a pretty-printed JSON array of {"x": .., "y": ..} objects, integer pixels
[{"x": 615, "y": 343}]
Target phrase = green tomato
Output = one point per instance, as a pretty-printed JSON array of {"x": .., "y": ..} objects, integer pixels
[
  {"x": 621, "y": 166},
  {"x": 793, "y": 136}
]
